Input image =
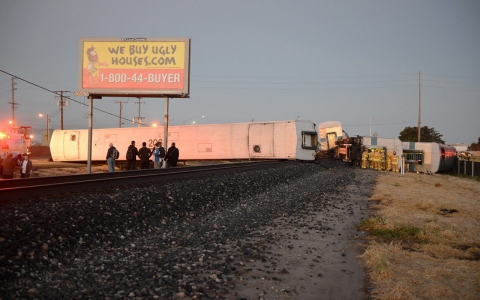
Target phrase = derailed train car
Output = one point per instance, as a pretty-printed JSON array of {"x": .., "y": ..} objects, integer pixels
[
  {"x": 290, "y": 140},
  {"x": 429, "y": 157},
  {"x": 418, "y": 156},
  {"x": 328, "y": 134}
]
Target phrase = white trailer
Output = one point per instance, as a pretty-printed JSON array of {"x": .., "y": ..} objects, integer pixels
[{"x": 291, "y": 140}]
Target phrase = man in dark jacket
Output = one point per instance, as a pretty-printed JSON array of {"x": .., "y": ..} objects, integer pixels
[
  {"x": 144, "y": 154},
  {"x": 133, "y": 159},
  {"x": 26, "y": 168},
  {"x": 172, "y": 156}
]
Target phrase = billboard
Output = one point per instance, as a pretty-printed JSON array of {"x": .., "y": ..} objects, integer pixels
[{"x": 135, "y": 66}]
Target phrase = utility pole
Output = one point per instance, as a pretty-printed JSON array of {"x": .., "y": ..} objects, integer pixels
[
  {"x": 13, "y": 101},
  {"x": 62, "y": 103},
  {"x": 370, "y": 126},
  {"x": 140, "y": 119},
  {"x": 121, "y": 108},
  {"x": 419, "y": 106}
]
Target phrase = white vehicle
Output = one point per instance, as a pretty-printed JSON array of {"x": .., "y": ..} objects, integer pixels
[{"x": 291, "y": 140}]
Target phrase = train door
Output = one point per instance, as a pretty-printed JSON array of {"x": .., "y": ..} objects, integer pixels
[
  {"x": 260, "y": 140},
  {"x": 331, "y": 139},
  {"x": 71, "y": 144}
]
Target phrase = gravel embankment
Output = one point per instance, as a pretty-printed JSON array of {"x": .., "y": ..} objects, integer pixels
[{"x": 225, "y": 237}]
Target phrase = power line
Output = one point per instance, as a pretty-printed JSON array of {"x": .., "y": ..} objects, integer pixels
[
  {"x": 452, "y": 76},
  {"x": 301, "y": 89},
  {"x": 321, "y": 77},
  {"x": 360, "y": 125},
  {"x": 56, "y": 93},
  {"x": 305, "y": 83}
]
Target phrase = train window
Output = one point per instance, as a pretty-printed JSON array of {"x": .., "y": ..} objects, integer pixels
[
  {"x": 73, "y": 137},
  {"x": 309, "y": 140},
  {"x": 256, "y": 149}
]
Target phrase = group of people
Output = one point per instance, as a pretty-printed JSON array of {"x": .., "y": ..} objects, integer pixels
[
  {"x": 144, "y": 154},
  {"x": 10, "y": 164},
  {"x": 375, "y": 159}
]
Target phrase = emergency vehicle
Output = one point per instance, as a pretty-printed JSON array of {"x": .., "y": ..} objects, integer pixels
[{"x": 15, "y": 140}]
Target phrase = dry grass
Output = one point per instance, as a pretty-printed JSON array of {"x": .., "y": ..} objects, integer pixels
[{"x": 425, "y": 241}]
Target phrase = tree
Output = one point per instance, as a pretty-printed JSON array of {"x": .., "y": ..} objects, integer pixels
[
  {"x": 475, "y": 146},
  {"x": 429, "y": 135}
]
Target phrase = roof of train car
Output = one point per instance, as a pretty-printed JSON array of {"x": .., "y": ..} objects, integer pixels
[{"x": 217, "y": 124}]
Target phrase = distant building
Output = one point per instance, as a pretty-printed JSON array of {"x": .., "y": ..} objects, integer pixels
[
  {"x": 460, "y": 147},
  {"x": 46, "y": 142}
]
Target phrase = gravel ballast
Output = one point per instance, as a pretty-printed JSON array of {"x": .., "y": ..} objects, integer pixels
[{"x": 280, "y": 233}]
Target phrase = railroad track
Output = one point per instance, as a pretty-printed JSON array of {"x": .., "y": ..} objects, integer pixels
[{"x": 33, "y": 188}]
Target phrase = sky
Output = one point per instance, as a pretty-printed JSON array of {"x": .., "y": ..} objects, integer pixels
[{"x": 363, "y": 63}]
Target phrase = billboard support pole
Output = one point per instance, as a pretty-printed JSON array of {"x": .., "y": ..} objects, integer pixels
[
  {"x": 90, "y": 130},
  {"x": 165, "y": 130}
]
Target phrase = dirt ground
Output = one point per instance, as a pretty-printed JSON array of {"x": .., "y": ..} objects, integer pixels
[
  {"x": 309, "y": 263},
  {"x": 318, "y": 255}
]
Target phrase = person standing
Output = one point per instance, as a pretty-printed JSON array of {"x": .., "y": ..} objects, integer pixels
[
  {"x": 389, "y": 162},
  {"x": 26, "y": 168},
  {"x": 394, "y": 162},
  {"x": 172, "y": 156},
  {"x": 376, "y": 160},
  {"x": 382, "y": 160},
  {"x": 112, "y": 155},
  {"x": 144, "y": 154},
  {"x": 159, "y": 155},
  {"x": 364, "y": 158},
  {"x": 131, "y": 156},
  {"x": 8, "y": 167},
  {"x": 370, "y": 158}
]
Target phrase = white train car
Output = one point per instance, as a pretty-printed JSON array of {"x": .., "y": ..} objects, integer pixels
[
  {"x": 291, "y": 140},
  {"x": 428, "y": 157},
  {"x": 328, "y": 134}
]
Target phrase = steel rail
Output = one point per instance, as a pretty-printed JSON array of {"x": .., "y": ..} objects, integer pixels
[{"x": 31, "y": 188}]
